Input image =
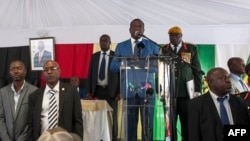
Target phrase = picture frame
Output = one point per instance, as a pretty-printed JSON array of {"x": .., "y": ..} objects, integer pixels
[{"x": 41, "y": 50}]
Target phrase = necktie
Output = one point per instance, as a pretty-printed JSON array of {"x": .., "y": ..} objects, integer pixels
[
  {"x": 175, "y": 50},
  {"x": 102, "y": 67},
  {"x": 40, "y": 57},
  {"x": 223, "y": 112},
  {"x": 243, "y": 85},
  {"x": 52, "y": 116},
  {"x": 135, "y": 48}
]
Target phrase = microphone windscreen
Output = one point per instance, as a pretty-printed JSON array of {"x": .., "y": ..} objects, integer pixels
[{"x": 150, "y": 91}]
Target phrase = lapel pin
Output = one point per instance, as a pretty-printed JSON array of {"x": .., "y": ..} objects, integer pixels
[{"x": 63, "y": 89}]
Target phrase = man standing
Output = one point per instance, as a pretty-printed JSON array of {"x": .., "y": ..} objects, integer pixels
[
  {"x": 140, "y": 80},
  {"x": 187, "y": 69},
  {"x": 56, "y": 104},
  {"x": 208, "y": 113},
  {"x": 236, "y": 67},
  {"x": 42, "y": 55},
  {"x": 102, "y": 83},
  {"x": 14, "y": 104}
]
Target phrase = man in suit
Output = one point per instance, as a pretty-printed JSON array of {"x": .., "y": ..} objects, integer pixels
[
  {"x": 14, "y": 104},
  {"x": 68, "y": 111},
  {"x": 187, "y": 68},
  {"x": 42, "y": 55},
  {"x": 106, "y": 88},
  {"x": 204, "y": 114},
  {"x": 236, "y": 67},
  {"x": 137, "y": 79},
  {"x": 74, "y": 80}
]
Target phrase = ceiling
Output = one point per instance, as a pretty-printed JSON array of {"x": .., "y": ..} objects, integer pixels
[{"x": 25, "y": 18}]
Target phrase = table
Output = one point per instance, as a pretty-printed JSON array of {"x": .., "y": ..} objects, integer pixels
[{"x": 97, "y": 120}]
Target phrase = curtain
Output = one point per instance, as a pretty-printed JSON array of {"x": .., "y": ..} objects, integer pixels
[
  {"x": 73, "y": 60},
  {"x": 10, "y": 54}
]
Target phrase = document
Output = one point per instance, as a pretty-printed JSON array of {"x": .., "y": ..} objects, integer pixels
[{"x": 190, "y": 88}]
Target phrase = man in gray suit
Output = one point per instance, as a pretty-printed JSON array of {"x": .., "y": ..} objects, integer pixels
[{"x": 14, "y": 104}]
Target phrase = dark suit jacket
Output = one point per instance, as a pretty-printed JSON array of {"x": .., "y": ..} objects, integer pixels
[
  {"x": 113, "y": 78},
  {"x": 204, "y": 122},
  {"x": 46, "y": 56},
  {"x": 70, "y": 112},
  {"x": 183, "y": 71},
  {"x": 13, "y": 123}
]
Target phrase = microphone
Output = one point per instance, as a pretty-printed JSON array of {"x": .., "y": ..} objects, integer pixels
[
  {"x": 140, "y": 45},
  {"x": 149, "y": 92},
  {"x": 138, "y": 33}
]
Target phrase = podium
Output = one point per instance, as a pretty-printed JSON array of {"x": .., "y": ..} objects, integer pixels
[
  {"x": 143, "y": 80},
  {"x": 97, "y": 120}
]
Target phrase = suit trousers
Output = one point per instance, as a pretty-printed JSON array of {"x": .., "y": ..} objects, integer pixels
[
  {"x": 134, "y": 105},
  {"x": 182, "y": 111}
]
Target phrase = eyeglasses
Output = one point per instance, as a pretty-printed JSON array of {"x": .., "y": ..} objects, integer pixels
[{"x": 50, "y": 68}]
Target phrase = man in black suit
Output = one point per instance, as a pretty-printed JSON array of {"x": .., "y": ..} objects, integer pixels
[
  {"x": 204, "y": 115},
  {"x": 68, "y": 106},
  {"x": 42, "y": 55},
  {"x": 106, "y": 88}
]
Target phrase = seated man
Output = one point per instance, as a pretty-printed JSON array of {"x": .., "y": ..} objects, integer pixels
[{"x": 76, "y": 82}]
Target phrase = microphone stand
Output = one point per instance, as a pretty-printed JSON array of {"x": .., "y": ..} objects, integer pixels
[
  {"x": 176, "y": 56},
  {"x": 147, "y": 129},
  {"x": 172, "y": 107},
  {"x": 150, "y": 40}
]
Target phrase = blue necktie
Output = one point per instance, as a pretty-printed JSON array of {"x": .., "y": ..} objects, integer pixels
[
  {"x": 135, "y": 48},
  {"x": 223, "y": 111},
  {"x": 102, "y": 68}
]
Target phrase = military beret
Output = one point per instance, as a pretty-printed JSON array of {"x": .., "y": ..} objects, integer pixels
[{"x": 175, "y": 30}]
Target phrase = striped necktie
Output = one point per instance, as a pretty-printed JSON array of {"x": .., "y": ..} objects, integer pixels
[{"x": 52, "y": 116}]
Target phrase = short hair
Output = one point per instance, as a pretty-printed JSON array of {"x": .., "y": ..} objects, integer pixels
[
  {"x": 57, "y": 136},
  {"x": 137, "y": 19}
]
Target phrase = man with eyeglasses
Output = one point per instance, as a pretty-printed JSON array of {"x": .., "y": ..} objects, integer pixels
[{"x": 64, "y": 99}]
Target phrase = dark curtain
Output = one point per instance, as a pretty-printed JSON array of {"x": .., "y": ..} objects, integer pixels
[
  {"x": 10, "y": 54},
  {"x": 72, "y": 58}
]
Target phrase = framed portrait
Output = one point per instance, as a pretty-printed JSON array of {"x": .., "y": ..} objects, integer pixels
[{"x": 41, "y": 50}]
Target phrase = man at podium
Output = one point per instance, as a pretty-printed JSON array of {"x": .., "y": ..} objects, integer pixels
[{"x": 136, "y": 95}]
